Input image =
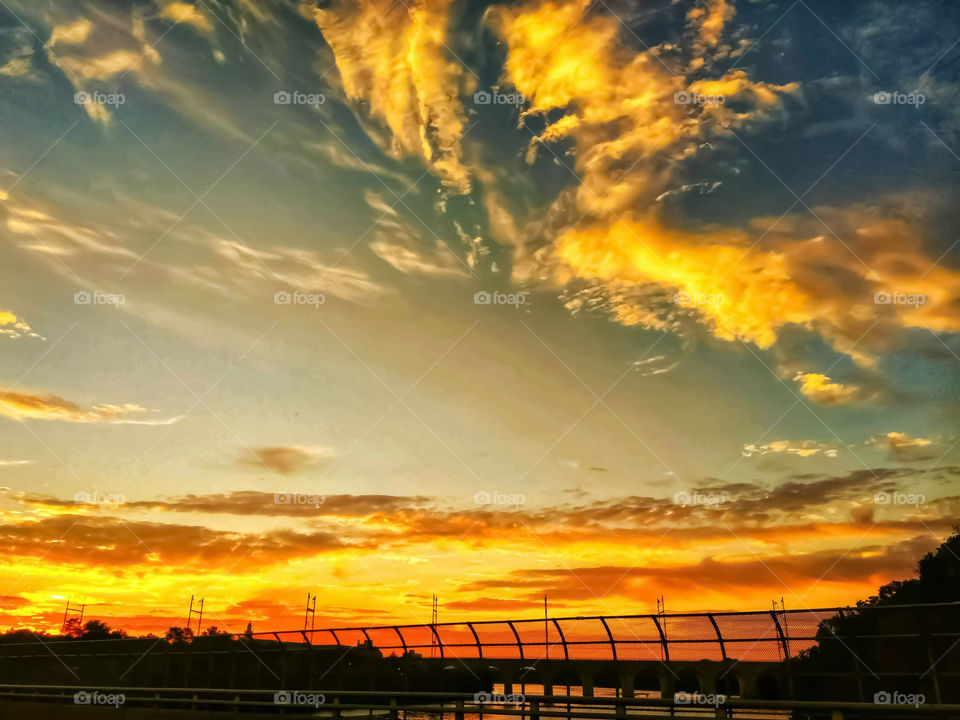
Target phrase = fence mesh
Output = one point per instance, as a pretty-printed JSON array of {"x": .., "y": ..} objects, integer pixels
[{"x": 748, "y": 636}]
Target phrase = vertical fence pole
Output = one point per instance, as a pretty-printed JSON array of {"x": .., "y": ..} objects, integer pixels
[
  {"x": 437, "y": 636},
  {"x": 563, "y": 639},
  {"x": 402, "y": 641},
  {"x": 477, "y": 639},
  {"x": 663, "y": 639},
  {"x": 517, "y": 636},
  {"x": 716, "y": 628},
  {"x": 613, "y": 645}
]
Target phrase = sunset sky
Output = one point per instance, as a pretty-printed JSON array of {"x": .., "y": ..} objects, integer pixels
[{"x": 375, "y": 300}]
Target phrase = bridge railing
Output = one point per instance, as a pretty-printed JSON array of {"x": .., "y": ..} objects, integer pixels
[
  {"x": 765, "y": 636},
  {"x": 761, "y": 636}
]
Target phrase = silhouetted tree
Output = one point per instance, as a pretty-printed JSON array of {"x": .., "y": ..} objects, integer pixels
[
  {"x": 99, "y": 630},
  {"x": 178, "y": 634}
]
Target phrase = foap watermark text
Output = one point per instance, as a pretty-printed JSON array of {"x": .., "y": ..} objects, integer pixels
[
  {"x": 483, "y": 297},
  {"x": 483, "y": 97},
  {"x": 85, "y": 697},
  {"x": 295, "y": 97},
  {"x": 98, "y": 498},
  {"x": 898, "y": 698},
  {"x": 83, "y": 297},
  {"x": 885, "y": 97},
  {"x": 498, "y": 498},
  {"x": 488, "y": 698},
  {"x": 899, "y": 498},
  {"x": 685, "y": 498},
  {"x": 899, "y": 298},
  {"x": 96, "y": 97},
  {"x": 696, "y": 698},
  {"x": 314, "y": 300},
  {"x": 685, "y": 97},
  {"x": 304, "y": 699},
  {"x": 298, "y": 499}
]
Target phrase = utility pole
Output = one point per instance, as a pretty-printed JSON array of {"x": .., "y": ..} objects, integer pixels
[
  {"x": 66, "y": 614},
  {"x": 433, "y": 623},
  {"x": 310, "y": 612},
  {"x": 546, "y": 635},
  {"x": 782, "y": 612},
  {"x": 198, "y": 612},
  {"x": 662, "y": 615}
]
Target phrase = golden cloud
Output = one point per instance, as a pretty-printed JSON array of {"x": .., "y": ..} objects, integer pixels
[
  {"x": 804, "y": 448},
  {"x": 72, "y": 33},
  {"x": 26, "y": 406},
  {"x": 631, "y": 119},
  {"x": 181, "y": 12},
  {"x": 711, "y": 19},
  {"x": 13, "y": 327},
  {"x": 904, "y": 448},
  {"x": 620, "y": 107},
  {"x": 821, "y": 389},
  {"x": 394, "y": 57}
]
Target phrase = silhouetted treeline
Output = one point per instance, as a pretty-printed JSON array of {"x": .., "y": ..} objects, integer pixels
[{"x": 888, "y": 644}]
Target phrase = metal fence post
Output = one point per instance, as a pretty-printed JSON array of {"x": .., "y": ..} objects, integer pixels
[
  {"x": 613, "y": 645},
  {"x": 517, "y": 636},
  {"x": 477, "y": 638},
  {"x": 663, "y": 639},
  {"x": 723, "y": 649},
  {"x": 563, "y": 639}
]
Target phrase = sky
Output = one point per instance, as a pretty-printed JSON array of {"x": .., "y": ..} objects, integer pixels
[{"x": 380, "y": 300}]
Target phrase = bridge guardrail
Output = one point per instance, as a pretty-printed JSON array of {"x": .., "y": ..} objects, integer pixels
[{"x": 397, "y": 704}]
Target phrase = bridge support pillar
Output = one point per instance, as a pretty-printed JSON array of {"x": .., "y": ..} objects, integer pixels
[
  {"x": 666, "y": 686},
  {"x": 748, "y": 686},
  {"x": 508, "y": 687},
  {"x": 548, "y": 686},
  {"x": 708, "y": 682},
  {"x": 586, "y": 684},
  {"x": 626, "y": 685}
]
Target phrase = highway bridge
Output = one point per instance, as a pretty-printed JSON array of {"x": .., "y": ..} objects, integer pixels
[{"x": 749, "y": 656}]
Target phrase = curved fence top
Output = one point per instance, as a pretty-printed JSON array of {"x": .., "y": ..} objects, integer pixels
[{"x": 759, "y": 635}]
